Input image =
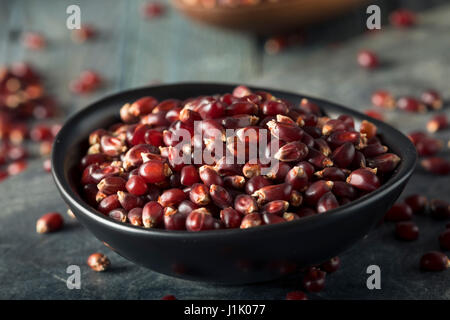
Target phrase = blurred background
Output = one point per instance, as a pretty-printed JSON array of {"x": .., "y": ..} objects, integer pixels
[{"x": 306, "y": 46}]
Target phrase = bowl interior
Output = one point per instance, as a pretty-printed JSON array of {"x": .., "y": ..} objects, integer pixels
[{"x": 72, "y": 140}]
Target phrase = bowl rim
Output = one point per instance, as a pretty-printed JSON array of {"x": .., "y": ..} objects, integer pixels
[{"x": 403, "y": 172}]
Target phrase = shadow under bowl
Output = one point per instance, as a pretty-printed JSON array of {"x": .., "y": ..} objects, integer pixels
[{"x": 229, "y": 256}]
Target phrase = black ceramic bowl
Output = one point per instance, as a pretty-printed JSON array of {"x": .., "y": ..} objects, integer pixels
[{"x": 230, "y": 256}]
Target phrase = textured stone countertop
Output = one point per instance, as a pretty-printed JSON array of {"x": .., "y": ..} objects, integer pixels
[{"x": 132, "y": 52}]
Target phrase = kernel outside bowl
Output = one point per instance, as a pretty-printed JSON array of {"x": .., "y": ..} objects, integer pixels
[{"x": 229, "y": 256}]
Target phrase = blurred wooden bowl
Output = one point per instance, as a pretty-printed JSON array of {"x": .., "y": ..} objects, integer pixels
[{"x": 267, "y": 17}]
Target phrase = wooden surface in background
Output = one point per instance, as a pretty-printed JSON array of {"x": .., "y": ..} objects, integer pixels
[{"x": 130, "y": 52}]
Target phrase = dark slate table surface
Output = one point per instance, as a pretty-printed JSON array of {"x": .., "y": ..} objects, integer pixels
[{"x": 132, "y": 52}]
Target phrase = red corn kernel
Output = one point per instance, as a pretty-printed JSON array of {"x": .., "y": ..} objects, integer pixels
[
  {"x": 112, "y": 184},
  {"x": 406, "y": 230},
  {"x": 309, "y": 106},
  {"x": 220, "y": 196},
  {"x": 316, "y": 190},
  {"x": 34, "y": 41},
  {"x": 314, "y": 280},
  {"x": 343, "y": 155},
  {"x": 374, "y": 114},
  {"x": 109, "y": 203},
  {"x": 49, "y": 222},
  {"x": 151, "y": 10},
  {"x": 175, "y": 220},
  {"x": 297, "y": 178},
  {"x": 444, "y": 240},
  {"x": 402, "y": 18},
  {"x": 274, "y": 192},
  {"x": 236, "y": 182},
  {"x": 172, "y": 197},
  {"x": 199, "y": 194},
  {"x": 269, "y": 218},
  {"x": 399, "y": 212},
  {"x": 293, "y": 151},
  {"x": 428, "y": 146},
  {"x": 438, "y": 122},
  {"x": 327, "y": 202},
  {"x": 434, "y": 261},
  {"x": 245, "y": 204},
  {"x": 200, "y": 219},
  {"x": 241, "y": 91},
  {"x": 410, "y": 104},
  {"x": 275, "y": 45},
  {"x": 432, "y": 99},
  {"x": 209, "y": 176},
  {"x": 231, "y": 218},
  {"x": 364, "y": 179},
  {"x": 16, "y": 167},
  {"x": 285, "y": 132},
  {"x": 333, "y": 125},
  {"x": 135, "y": 217},
  {"x": 368, "y": 128},
  {"x": 129, "y": 201},
  {"x": 417, "y": 136},
  {"x": 439, "y": 209},
  {"x": 273, "y": 108},
  {"x": 367, "y": 59},
  {"x": 344, "y": 190},
  {"x": 318, "y": 159},
  {"x": 16, "y": 153},
  {"x": 290, "y": 216},
  {"x": 152, "y": 214},
  {"x": 154, "y": 171},
  {"x": 436, "y": 165},
  {"x": 331, "y": 265},
  {"x": 40, "y": 133},
  {"x": 276, "y": 207},
  {"x": 279, "y": 171},
  {"x": 417, "y": 203},
  {"x": 383, "y": 99},
  {"x": 332, "y": 174},
  {"x": 119, "y": 215},
  {"x": 98, "y": 262},
  {"x": 251, "y": 220},
  {"x": 86, "y": 32},
  {"x": 136, "y": 185},
  {"x": 256, "y": 183},
  {"x": 384, "y": 163},
  {"x": 47, "y": 165},
  {"x": 169, "y": 297},
  {"x": 251, "y": 170},
  {"x": 189, "y": 175},
  {"x": 296, "y": 295}
]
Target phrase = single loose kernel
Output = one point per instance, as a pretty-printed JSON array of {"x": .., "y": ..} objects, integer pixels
[
  {"x": 432, "y": 99},
  {"x": 296, "y": 295},
  {"x": 406, "y": 230},
  {"x": 417, "y": 203},
  {"x": 402, "y": 18},
  {"x": 383, "y": 99},
  {"x": 314, "y": 280},
  {"x": 98, "y": 262},
  {"x": 410, "y": 104},
  {"x": 439, "y": 209},
  {"x": 49, "y": 222},
  {"x": 169, "y": 297},
  {"x": 444, "y": 240},
  {"x": 331, "y": 265},
  {"x": 434, "y": 261},
  {"x": 367, "y": 59},
  {"x": 438, "y": 122},
  {"x": 436, "y": 165},
  {"x": 399, "y": 212}
]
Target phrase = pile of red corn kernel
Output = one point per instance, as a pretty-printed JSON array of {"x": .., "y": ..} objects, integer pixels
[
  {"x": 129, "y": 173},
  {"x": 23, "y": 102}
]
